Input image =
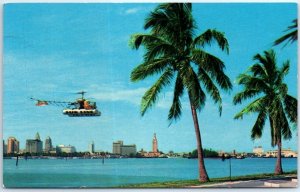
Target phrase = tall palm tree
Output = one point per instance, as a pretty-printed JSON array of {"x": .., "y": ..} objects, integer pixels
[
  {"x": 172, "y": 51},
  {"x": 264, "y": 81},
  {"x": 291, "y": 36}
]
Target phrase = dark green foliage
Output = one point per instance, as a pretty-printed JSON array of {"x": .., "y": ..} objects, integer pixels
[
  {"x": 172, "y": 50},
  {"x": 208, "y": 153},
  {"x": 292, "y": 36},
  {"x": 264, "y": 80}
]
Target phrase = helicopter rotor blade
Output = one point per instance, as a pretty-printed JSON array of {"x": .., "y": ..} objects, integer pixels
[{"x": 81, "y": 92}]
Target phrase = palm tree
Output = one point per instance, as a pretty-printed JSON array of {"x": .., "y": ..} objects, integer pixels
[
  {"x": 291, "y": 36},
  {"x": 172, "y": 51},
  {"x": 264, "y": 81}
]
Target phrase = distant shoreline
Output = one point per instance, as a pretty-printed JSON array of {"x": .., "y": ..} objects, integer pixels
[{"x": 49, "y": 157}]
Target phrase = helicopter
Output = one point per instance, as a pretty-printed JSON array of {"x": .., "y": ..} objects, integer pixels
[{"x": 79, "y": 108}]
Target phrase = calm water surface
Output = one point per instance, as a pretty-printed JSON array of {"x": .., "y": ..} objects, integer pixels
[{"x": 116, "y": 172}]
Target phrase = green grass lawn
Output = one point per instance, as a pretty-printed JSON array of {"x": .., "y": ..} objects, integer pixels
[{"x": 186, "y": 183}]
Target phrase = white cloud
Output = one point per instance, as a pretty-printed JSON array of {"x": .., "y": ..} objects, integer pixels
[
  {"x": 132, "y": 10},
  {"x": 137, "y": 9},
  {"x": 165, "y": 101},
  {"x": 118, "y": 92}
]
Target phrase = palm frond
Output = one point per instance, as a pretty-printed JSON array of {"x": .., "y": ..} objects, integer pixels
[
  {"x": 156, "y": 47},
  {"x": 151, "y": 94},
  {"x": 157, "y": 19},
  {"x": 258, "y": 70},
  {"x": 290, "y": 107},
  {"x": 251, "y": 82},
  {"x": 146, "y": 69},
  {"x": 254, "y": 107},
  {"x": 210, "y": 88},
  {"x": 289, "y": 37},
  {"x": 210, "y": 62},
  {"x": 269, "y": 63},
  {"x": 137, "y": 40},
  {"x": 285, "y": 127},
  {"x": 244, "y": 95},
  {"x": 158, "y": 50},
  {"x": 281, "y": 124},
  {"x": 257, "y": 129},
  {"x": 175, "y": 110},
  {"x": 212, "y": 35},
  {"x": 167, "y": 17},
  {"x": 282, "y": 72},
  {"x": 282, "y": 90},
  {"x": 191, "y": 82},
  {"x": 274, "y": 136},
  {"x": 213, "y": 66},
  {"x": 187, "y": 7},
  {"x": 285, "y": 68}
]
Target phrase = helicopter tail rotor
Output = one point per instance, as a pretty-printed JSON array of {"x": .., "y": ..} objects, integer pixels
[{"x": 39, "y": 102}]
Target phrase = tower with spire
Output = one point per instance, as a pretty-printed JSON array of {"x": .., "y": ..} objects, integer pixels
[
  {"x": 154, "y": 153},
  {"x": 154, "y": 144},
  {"x": 37, "y": 136},
  {"x": 34, "y": 146}
]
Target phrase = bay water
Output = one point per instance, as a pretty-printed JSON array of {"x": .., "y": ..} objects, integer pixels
[{"x": 92, "y": 173}]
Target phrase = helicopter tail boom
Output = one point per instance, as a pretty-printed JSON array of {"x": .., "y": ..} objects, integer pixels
[{"x": 41, "y": 103}]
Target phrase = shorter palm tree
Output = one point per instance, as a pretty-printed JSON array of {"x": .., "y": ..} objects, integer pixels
[
  {"x": 264, "y": 80},
  {"x": 291, "y": 36}
]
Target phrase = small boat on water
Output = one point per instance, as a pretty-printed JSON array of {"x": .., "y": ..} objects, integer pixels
[{"x": 18, "y": 157}]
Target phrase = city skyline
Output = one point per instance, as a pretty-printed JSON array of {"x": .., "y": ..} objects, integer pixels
[
  {"x": 91, "y": 147},
  {"x": 54, "y": 50}
]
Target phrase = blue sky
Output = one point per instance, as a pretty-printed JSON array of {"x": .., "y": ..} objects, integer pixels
[{"x": 52, "y": 51}]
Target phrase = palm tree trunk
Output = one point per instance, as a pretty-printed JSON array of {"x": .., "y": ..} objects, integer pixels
[
  {"x": 278, "y": 168},
  {"x": 203, "y": 177}
]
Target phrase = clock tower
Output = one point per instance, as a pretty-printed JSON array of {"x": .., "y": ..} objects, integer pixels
[{"x": 154, "y": 144}]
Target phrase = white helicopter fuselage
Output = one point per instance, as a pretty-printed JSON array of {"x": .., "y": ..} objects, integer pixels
[{"x": 81, "y": 112}]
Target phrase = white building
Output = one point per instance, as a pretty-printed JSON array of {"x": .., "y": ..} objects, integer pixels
[
  {"x": 284, "y": 153},
  {"x": 258, "y": 151},
  {"x": 65, "y": 149},
  {"x": 92, "y": 147}
]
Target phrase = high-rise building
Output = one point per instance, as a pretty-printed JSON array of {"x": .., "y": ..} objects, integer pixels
[
  {"x": 65, "y": 149},
  {"x": 117, "y": 147},
  {"x": 4, "y": 147},
  {"x": 128, "y": 150},
  {"x": 48, "y": 144},
  {"x": 34, "y": 145},
  {"x": 92, "y": 147},
  {"x": 120, "y": 149},
  {"x": 234, "y": 152},
  {"x": 12, "y": 145},
  {"x": 154, "y": 144}
]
